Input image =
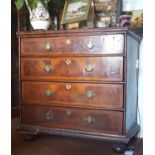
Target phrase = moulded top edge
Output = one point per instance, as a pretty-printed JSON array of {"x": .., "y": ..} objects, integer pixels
[{"x": 73, "y": 31}]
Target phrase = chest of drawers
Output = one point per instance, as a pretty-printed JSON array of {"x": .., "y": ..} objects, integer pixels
[{"x": 79, "y": 83}]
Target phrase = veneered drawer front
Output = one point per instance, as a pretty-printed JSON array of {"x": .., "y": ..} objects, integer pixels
[
  {"x": 89, "y": 120},
  {"x": 102, "y": 44},
  {"x": 73, "y": 68},
  {"x": 109, "y": 96}
]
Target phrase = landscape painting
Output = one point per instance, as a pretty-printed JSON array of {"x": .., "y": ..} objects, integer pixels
[{"x": 75, "y": 10}]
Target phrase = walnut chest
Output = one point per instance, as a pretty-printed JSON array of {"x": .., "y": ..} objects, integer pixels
[{"x": 79, "y": 83}]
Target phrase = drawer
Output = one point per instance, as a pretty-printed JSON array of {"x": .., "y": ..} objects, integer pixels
[
  {"x": 103, "y": 44},
  {"x": 88, "y": 120},
  {"x": 108, "y": 96},
  {"x": 73, "y": 68}
]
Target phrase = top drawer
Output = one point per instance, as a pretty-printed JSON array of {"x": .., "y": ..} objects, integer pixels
[{"x": 103, "y": 44}]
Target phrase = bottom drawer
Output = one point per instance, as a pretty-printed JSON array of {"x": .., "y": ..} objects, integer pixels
[{"x": 98, "y": 121}]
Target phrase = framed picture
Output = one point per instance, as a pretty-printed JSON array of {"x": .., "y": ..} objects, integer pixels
[
  {"x": 75, "y": 11},
  {"x": 105, "y": 5},
  {"x": 107, "y": 9}
]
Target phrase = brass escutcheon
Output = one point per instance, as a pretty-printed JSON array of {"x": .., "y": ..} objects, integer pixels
[
  {"x": 90, "y": 45},
  {"x": 68, "y": 86},
  {"x": 68, "y": 61},
  {"x": 68, "y": 112},
  {"x": 89, "y": 68},
  {"x": 90, "y": 94},
  {"x": 48, "y": 46},
  {"x": 47, "y": 68},
  {"x": 49, "y": 115},
  {"x": 89, "y": 120},
  {"x": 48, "y": 93}
]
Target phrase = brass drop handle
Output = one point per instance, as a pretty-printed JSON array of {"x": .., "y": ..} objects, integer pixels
[
  {"x": 90, "y": 45},
  {"x": 89, "y": 68},
  {"x": 68, "y": 41},
  {"x": 48, "y": 68},
  {"x": 49, "y": 115},
  {"x": 90, "y": 94},
  {"x": 48, "y": 46},
  {"x": 89, "y": 120},
  {"x": 48, "y": 93},
  {"x": 68, "y": 112}
]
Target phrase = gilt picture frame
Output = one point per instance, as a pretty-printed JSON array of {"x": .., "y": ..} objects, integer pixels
[{"x": 75, "y": 11}]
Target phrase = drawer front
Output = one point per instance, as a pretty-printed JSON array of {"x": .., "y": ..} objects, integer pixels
[
  {"x": 73, "y": 68},
  {"x": 108, "y": 96},
  {"x": 73, "y": 118},
  {"x": 103, "y": 44}
]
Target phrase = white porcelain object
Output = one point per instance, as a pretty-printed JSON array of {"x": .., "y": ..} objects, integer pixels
[
  {"x": 40, "y": 25},
  {"x": 39, "y": 17}
]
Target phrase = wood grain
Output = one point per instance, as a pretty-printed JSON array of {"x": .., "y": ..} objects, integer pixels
[
  {"x": 102, "y": 44},
  {"x": 109, "y": 96},
  {"x": 78, "y": 68},
  {"x": 56, "y": 117}
]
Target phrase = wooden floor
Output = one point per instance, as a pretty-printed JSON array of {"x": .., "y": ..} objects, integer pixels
[{"x": 59, "y": 145}]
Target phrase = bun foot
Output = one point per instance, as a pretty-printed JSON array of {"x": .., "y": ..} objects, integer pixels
[
  {"x": 29, "y": 137},
  {"x": 119, "y": 148}
]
